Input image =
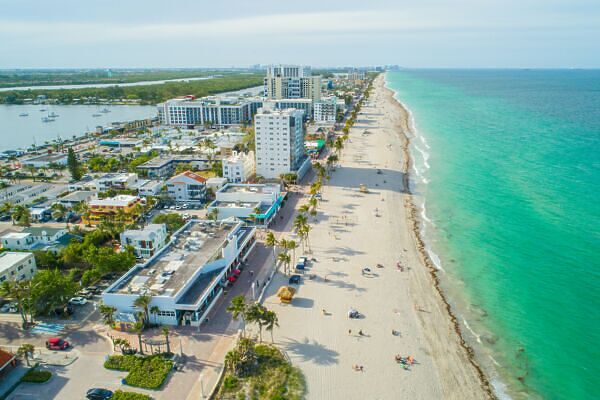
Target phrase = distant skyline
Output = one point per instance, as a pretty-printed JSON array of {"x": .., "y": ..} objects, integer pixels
[{"x": 426, "y": 33}]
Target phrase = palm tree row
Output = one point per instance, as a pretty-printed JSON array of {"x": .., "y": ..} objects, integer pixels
[
  {"x": 285, "y": 244},
  {"x": 254, "y": 313}
]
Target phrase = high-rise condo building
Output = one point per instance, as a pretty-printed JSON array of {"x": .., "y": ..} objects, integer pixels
[
  {"x": 291, "y": 82},
  {"x": 279, "y": 138}
]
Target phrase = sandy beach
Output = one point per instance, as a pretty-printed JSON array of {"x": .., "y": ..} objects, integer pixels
[{"x": 403, "y": 313}]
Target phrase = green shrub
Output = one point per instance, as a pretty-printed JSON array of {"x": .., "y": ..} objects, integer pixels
[
  {"x": 121, "y": 395},
  {"x": 230, "y": 383},
  {"x": 36, "y": 376},
  {"x": 144, "y": 372},
  {"x": 121, "y": 363},
  {"x": 150, "y": 373}
]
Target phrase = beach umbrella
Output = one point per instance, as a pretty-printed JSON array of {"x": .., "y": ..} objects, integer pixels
[
  {"x": 232, "y": 279},
  {"x": 237, "y": 271}
]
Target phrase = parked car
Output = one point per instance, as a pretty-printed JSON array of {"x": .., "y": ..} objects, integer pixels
[
  {"x": 98, "y": 394},
  {"x": 57, "y": 344},
  {"x": 5, "y": 308},
  {"x": 294, "y": 280},
  {"x": 300, "y": 266},
  {"x": 78, "y": 301},
  {"x": 302, "y": 260},
  {"x": 14, "y": 308}
]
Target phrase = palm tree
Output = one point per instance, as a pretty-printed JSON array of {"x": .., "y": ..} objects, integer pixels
[
  {"x": 271, "y": 321},
  {"x": 19, "y": 292},
  {"x": 26, "y": 350},
  {"x": 6, "y": 208},
  {"x": 304, "y": 208},
  {"x": 213, "y": 214},
  {"x": 31, "y": 169},
  {"x": 107, "y": 313},
  {"x": 304, "y": 231},
  {"x": 138, "y": 329},
  {"x": 238, "y": 309},
  {"x": 292, "y": 245},
  {"x": 165, "y": 332},
  {"x": 58, "y": 211},
  {"x": 285, "y": 259},
  {"x": 233, "y": 359},
  {"x": 300, "y": 221},
  {"x": 143, "y": 302},
  {"x": 154, "y": 310},
  {"x": 256, "y": 314},
  {"x": 21, "y": 215},
  {"x": 271, "y": 241}
]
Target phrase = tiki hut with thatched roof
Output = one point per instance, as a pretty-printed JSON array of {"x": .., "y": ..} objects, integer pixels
[{"x": 286, "y": 293}]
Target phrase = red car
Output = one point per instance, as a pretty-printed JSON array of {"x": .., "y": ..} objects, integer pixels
[{"x": 57, "y": 344}]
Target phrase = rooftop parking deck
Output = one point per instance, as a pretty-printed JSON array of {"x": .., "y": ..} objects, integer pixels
[{"x": 191, "y": 249}]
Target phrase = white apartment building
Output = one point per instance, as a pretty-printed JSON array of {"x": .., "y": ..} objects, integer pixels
[
  {"x": 16, "y": 266},
  {"x": 37, "y": 238},
  {"x": 239, "y": 167},
  {"x": 187, "y": 187},
  {"x": 279, "y": 138},
  {"x": 214, "y": 110},
  {"x": 102, "y": 183},
  {"x": 256, "y": 204},
  {"x": 325, "y": 111},
  {"x": 145, "y": 242},
  {"x": 291, "y": 82}
]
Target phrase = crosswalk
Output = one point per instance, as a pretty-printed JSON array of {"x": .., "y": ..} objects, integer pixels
[{"x": 48, "y": 329}]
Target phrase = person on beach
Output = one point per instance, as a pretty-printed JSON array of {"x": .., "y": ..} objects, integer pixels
[
  {"x": 360, "y": 333},
  {"x": 349, "y": 331}
]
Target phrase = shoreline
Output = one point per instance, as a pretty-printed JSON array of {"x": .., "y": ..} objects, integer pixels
[
  {"x": 400, "y": 313},
  {"x": 412, "y": 214}
]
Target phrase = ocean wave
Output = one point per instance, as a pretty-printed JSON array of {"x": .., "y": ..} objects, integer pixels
[
  {"x": 477, "y": 336},
  {"x": 424, "y": 155}
]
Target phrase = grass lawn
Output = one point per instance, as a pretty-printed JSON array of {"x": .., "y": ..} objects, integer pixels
[
  {"x": 265, "y": 375},
  {"x": 144, "y": 372}
]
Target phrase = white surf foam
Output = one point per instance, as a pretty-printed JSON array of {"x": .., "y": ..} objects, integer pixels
[{"x": 477, "y": 336}]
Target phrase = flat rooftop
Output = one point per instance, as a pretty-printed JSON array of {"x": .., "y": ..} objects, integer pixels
[
  {"x": 189, "y": 251},
  {"x": 47, "y": 157},
  {"x": 161, "y": 161},
  {"x": 235, "y": 204},
  {"x": 10, "y": 258},
  {"x": 259, "y": 188}
]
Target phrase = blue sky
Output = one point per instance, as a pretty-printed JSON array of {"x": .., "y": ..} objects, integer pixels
[{"x": 200, "y": 33}]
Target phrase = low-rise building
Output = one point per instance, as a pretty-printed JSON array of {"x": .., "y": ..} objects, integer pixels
[
  {"x": 215, "y": 183},
  {"x": 145, "y": 242},
  {"x": 239, "y": 167},
  {"x": 80, "y": 196},
  {"x": 38, "y": 238},
  {"x": 16, "y": 266},
  {"x": 187, "y": 187},
  {"x": 146, "y": 187},
  {"x": 164, "y": 166},
  {"x": 44, "y": 161},
  {"x": 185, "y": 278},
  {"x": 22, "y": 194},
  {"x": 256, "y": 204},
  {"x": 102, "y": 183},
  {"x": 121, "y": 208}
]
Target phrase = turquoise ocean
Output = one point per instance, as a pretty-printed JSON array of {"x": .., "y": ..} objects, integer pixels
[{"x": 507, "y": 177}]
